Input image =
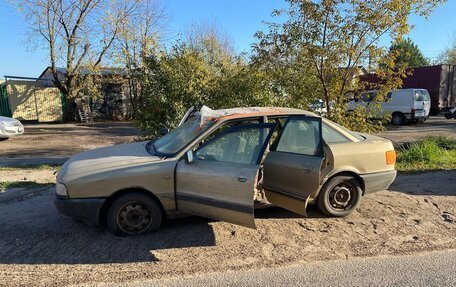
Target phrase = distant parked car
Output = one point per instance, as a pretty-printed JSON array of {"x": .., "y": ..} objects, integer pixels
[
  {"x": 403, "y": 105},
  {"x": 318, "y": 107},
  {"x": 451, "y": 114},
  {"x": 220, "y": 164},
  {"x": 9, "y": 128}
]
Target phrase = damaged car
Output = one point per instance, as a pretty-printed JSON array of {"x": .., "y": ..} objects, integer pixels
[{"x": 222, "y": 164}]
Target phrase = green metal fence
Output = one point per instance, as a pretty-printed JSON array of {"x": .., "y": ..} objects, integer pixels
[
  {"x": 4, "y": 104},
  {"x": 63, "y": 100}
]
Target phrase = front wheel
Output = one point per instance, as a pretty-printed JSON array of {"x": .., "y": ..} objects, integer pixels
[
  {"x": 448, "y": 115},
  {"x": 340, "y": 196},
  {"x": 134, "y": 214},
  {"x": 3, "y": 139}
]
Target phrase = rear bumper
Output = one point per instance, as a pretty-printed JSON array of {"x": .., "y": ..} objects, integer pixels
[
  {"x": 85, "y": 209},
  {"x": 378, "y": 181},
  {"x": 416, "y": 116}
]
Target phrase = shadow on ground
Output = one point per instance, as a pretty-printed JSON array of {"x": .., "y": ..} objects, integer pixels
[
  {"x": 439, "y": 183},
  {"x": 39, "y": 235},
  {"x": 34, "y": 233}
]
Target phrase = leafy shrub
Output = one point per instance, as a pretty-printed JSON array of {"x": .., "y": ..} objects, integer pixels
[{"x": 431, "y": 153}]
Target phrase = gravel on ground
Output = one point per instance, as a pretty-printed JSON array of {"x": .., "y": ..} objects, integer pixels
[
  {"x": 39, "y": 247},
  {"x": 35, "y": 175}
]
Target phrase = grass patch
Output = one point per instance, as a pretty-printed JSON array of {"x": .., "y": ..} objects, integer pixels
[
  {"x": 23, "y": 184},
  {"x": 31, "y": 167},
  {"x": 431, "y": 153}
]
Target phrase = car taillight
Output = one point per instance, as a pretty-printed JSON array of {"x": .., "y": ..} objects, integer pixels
[
  {"x": 413, "y": 111},
  {"x": 390, "y": 157}
]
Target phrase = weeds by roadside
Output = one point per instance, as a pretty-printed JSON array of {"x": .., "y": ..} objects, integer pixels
[
  {"x": 23, "y": 184},
  {"x": 431, "y": 153},
  {"x": 31, "y": 167}
]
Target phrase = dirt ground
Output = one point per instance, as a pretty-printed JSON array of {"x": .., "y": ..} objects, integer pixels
[
  {"x": 65, "y": 140},
  {"x": 41, "y": 248},
  {"x": 38, "y": 176}
]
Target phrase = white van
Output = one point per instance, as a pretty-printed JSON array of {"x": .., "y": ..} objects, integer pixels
[{"x": 403, "y": 104}]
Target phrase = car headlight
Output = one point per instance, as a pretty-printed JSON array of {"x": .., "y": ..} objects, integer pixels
[{"x": 60, "y": 189}]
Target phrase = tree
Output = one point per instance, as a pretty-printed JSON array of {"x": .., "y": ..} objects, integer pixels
[
  {"x": 328, "y": 40},
  {"x": 80, "y": 34},
  {"x": 448, "y": 56},
  {"x": 202, "y": 69},
  {"x": 137, "y": 39},
  {"x": 208, "y": 39},
  {"x": 409, "y": 55}
]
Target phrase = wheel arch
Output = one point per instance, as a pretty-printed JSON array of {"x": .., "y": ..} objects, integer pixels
[
  {"x": 104, "y": 209},
  {"x": 344, "y": 173}
]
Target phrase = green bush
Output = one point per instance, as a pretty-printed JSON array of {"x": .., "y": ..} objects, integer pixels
[{"x": 431, "y": 153}]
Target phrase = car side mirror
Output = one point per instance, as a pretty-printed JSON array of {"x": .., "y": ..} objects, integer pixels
[
  {"x": 189, "y": 156},
  {"x": 164, "y": 131}
]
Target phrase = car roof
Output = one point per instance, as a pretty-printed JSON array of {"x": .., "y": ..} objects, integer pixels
[
  {"x": 247, "y": 112},
  {"x": 224, "y": 115}
]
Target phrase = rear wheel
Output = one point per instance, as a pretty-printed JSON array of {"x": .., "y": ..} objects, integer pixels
[
  {"x": 134, "y": 214},
  {"x": 340, "y": 196},
  {"x": 398, "y": 119}
]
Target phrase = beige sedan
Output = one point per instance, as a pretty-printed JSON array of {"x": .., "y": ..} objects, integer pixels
[{"x": 222, "y": 164}]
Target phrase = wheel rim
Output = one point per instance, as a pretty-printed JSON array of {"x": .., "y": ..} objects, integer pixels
[
  {"x": 397, "y": 119},
  {"x": 134, "y": 217},
  {"x": 342, "y": 197}
]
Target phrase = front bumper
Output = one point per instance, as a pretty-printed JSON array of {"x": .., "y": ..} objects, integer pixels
[
  {"x": 6, "y": 132},
  {"x": 378, "y": 181},
  {"x": 85, "y": 209}
]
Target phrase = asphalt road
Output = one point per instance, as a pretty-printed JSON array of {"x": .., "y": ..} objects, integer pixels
[
  {"x": 434, "y": 126},
  {"x": 431, "y": 269}
]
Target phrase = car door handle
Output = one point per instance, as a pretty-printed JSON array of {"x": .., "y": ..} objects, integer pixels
[
  {"x": 242, "y": 179},
  {"x": 306, "y": 170}
]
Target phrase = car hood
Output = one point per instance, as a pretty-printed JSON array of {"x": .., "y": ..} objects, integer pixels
[
  {"x": 8, "y": 120},
  {"x": 105, "y": 159}
]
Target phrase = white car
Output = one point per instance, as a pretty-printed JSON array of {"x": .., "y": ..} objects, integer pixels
[
  {"x": 10, "y": 127},
  {"x": 402, "y": 104},
  {"x": 319, "y": 107}
]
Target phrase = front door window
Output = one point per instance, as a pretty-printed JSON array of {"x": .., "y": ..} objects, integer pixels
[{"x": 242, "y": 144}]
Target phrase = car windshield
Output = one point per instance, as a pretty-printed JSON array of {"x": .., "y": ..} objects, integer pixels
[{"x": 177, "y": 139}]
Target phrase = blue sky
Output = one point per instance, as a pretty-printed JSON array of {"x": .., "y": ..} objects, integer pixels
[{"x": 239, "y": 18}]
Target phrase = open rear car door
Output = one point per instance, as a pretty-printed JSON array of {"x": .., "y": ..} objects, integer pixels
[
  {"x": 219, "y": 181},
  {"x": 291, "y": 170}
]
